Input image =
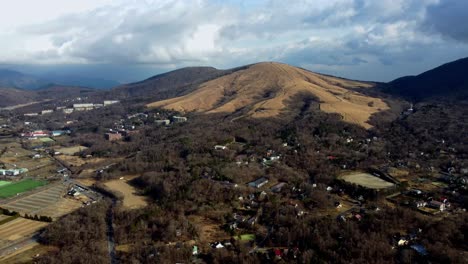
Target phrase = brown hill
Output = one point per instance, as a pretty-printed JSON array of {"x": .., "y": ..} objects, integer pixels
[
  {"x": 13, "y": 96},
  {"x": 170, "y": 84},
  {"x": 266, "y": 89}
]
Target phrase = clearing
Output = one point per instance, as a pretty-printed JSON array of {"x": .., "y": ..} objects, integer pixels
[
  {"x": 131, "y": 200},
  {"x": 366, "y": 180},
  {"x": 19, "y": 187},
  {"x": 71, "y": 150}
]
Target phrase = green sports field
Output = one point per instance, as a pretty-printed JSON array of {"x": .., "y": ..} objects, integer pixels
[
  {"x": 18, "y": 187},
  {"x": 3, "y": 183}
]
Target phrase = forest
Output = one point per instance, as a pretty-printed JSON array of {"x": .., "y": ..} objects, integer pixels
[{"x": 187, "y": 178}]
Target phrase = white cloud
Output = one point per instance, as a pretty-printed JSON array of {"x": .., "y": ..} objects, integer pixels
[{"x": 173, "y": 33}]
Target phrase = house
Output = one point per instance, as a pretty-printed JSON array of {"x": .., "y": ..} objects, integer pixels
[
  {"x": 13, "y": 172},
  {"x": 113, "y": 136},
  {"x": 220, "y": 147},
  {"x": 110, "y": 102},
  {"x": 68, "y": 110},
  {"x": 436, "y": 205},
  {"x": 57, "y": 133},
  {"x": 278, "y": 187},
  {"x": 258, "y": 183},
  {"x": 83, "y": 107},
  {"x": 163, "y": 122},
  {"x": 179, "y": 119}
]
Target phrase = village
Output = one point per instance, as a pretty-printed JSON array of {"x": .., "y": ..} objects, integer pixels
[{"x": 49, "y": 172}]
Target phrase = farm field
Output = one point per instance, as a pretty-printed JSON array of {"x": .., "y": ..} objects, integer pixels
[
  {"x": 17, "y": 229},
  {"x": 26, "y": 254},
  {"x": 131, "y": 200},
  {"x": 19, "y": 187},
  {"x": 367, "y": 180},
  {"x": 46, "y": 202}
]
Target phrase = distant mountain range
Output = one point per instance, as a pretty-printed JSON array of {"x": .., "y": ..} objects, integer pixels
[
  {"x": 16, "y": 79},
  {"x": 258, "y": 90}
]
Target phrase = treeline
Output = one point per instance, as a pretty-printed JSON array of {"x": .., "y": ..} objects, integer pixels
[{"x": 80, "y": 236}]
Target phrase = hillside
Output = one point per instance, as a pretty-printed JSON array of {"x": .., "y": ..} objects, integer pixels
[
  {"x": 170, "y": 84},
  {"x": 63, "y": 92},
  {"x": 448, "y": 80},
  {"x": 9, "y": 78},
  {"x": 13, "y": 96},
  {"x": 266, "y": 89}
]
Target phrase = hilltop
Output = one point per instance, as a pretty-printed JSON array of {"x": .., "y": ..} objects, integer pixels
[{"x": 265, "y": 90}]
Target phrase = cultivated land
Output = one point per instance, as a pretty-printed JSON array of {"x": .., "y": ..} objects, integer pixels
[
  {"x": 265, "y": 89},
  {"x": 367, "y": 180},
  {"x": 131, "y": 200},
  {"x": 17, "y": 229},
  {"x": 47, "y": 202},
  {"x": 19, "y": 187}
]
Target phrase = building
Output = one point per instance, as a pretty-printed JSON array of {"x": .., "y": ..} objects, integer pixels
[
  {"x": 110, "y": 102},
  {"x": 68, "y": 110},
  {"x": 436, "y": 205},
  {"x": 57, "y": 133},
  {"x": 220, "y": 147},
  {"x": 258, "y": 183},
  {"x": 113, "y": 136},
  {"x": 278, "y": 187},
  {"x": 83, "y": 107},
  {"x": 48, "y": 111},
  {"x": 13, "y": 172},
  {"x": 179, "y": 119},
  {"x": 164, "y": 122}
]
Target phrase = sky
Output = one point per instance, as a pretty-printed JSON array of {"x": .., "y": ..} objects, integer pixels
[{"x": 129, "y": 40}]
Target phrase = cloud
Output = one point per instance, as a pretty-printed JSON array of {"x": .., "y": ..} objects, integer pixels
[
  {"x": 346, "y": 36},
  {"x": 448, "y": 18}
]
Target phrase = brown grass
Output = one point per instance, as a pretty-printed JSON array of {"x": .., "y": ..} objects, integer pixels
[
  {"x": 266, "y": 88},
  {"x": 19, "y": 228},
  {"x": 131, "y": 199}
]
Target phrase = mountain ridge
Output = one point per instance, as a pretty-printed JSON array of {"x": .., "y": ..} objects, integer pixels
[
  {"x": 264, "y": 88},
  {"x": 447, "y": 80}
]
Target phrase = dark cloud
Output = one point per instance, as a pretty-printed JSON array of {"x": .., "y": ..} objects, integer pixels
[{"x": 448, "y": 18}]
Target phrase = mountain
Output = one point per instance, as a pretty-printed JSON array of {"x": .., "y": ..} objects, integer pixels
[
  {"x": 63, "y": 92},
  {"x": 14, "y": 96},
  {"x": 448, "y": 80},
  {"x": 71, "y": 80},
  {"x": 266, "y": 90},
  {"x": 170, "y": 84},
  {"x": 9, "y": 78}
]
